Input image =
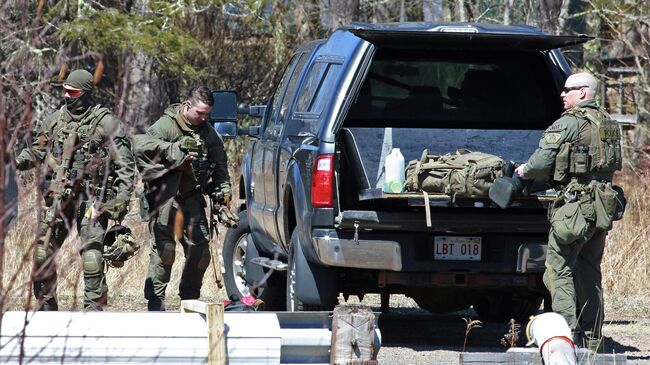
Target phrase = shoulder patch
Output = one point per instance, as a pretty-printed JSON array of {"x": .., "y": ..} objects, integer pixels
[
  {"x": 552, "y": 137},
  {"x": 558, "y": 126}
]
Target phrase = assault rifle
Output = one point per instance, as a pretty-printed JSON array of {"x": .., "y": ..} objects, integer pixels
[{"x": 60, "y": 188}]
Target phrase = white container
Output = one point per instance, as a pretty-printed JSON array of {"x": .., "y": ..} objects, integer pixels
[{"x": 394, "y": 172}]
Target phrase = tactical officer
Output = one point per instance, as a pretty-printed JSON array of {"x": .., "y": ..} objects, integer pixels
[
  {"x": 88, "y": 169},
  {"x": 181, "y": 159},
  {"x": 581, "y": 151}
]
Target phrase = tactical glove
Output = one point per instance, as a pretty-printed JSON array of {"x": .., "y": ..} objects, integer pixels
[
  {"x": 191, "y": 145},
  {"x": 115, "y": 209},
  {"x": 121, "y": 250},
  {"x": 227, "y": 218}
]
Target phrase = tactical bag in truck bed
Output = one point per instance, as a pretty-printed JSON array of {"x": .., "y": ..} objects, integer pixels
[{"x": 464, "y": 173}]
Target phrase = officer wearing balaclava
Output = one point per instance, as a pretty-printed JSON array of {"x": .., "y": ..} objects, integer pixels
[{"x": 87, "y": 177}]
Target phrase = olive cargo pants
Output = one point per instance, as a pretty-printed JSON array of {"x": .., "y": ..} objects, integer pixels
[
  {"x": 573, "y": 277},
  {"x": 194, "y": 239},
  {"x": 91, "y": 235}
]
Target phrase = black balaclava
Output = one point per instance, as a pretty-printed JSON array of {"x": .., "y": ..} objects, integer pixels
[{"x": 79, "y": 79}]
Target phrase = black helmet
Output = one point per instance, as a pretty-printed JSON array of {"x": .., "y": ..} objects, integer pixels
[{"x": 119, "y": 245}]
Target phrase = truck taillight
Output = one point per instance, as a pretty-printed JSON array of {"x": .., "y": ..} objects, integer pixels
[{"x": 322, "y": 182}]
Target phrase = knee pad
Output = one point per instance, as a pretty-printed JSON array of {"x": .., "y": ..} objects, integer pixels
[
  {"x": 92, "y": 262},
  {"x": 40, "y": 255}
]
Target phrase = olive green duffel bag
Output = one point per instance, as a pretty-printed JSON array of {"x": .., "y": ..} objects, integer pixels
[{"x": 464, "y": 173}]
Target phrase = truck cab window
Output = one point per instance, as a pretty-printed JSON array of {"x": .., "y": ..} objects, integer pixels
[
  {"x": 274, "y": 104},
  {"x": 316, "y": 91},
  {"x": 282, "y": 96}
]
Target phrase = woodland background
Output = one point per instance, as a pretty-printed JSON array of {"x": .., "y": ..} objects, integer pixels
[{"x": 145, "y": 54}]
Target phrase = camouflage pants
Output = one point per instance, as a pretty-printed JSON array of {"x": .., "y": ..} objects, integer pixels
[
  {"x": 91, "y": 235},
  {"x": 194, "y": 239},
  {"x": 574, "y": 279}
]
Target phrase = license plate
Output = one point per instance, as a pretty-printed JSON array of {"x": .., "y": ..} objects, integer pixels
[{"x": 457, "y": 248}]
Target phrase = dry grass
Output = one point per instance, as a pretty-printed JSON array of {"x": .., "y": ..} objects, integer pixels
[
  {"x": 626, "y": 262},
  {"x": 124, "y": 283}
]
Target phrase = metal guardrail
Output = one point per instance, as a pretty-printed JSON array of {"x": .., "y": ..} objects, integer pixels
[{"x": 164, "y": 338}]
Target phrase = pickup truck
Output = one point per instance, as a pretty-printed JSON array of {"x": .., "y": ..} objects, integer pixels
[{"x": 315, "y": 223}]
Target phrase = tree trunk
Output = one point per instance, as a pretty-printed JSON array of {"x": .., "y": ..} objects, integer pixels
[
  {"x": 432, "y": 10},
  {"x": 141, "y": 92},
  {"x": 141, "y": 97},
  {"x": 548, "y": 13},
  {"x": 460, "y": 11},
  {"x": 382, "y": 12},
  {"x": 507, "y": 8},
  {"x": 325, "y": 14},
  {"x": 563, "y": 18},
  {"x": 335, "y": 13}
]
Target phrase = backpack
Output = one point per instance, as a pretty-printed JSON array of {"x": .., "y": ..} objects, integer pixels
[{"x": 464, "y": 173}]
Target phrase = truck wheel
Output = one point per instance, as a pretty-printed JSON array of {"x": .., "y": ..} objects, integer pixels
[
  {"x": 234, "y": 259},
  {"x": 501, "y": 307},
  {"x": 293, "y": 303}
]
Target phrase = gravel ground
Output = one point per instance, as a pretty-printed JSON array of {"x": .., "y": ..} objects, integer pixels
[{"x": 417, "y": 337}]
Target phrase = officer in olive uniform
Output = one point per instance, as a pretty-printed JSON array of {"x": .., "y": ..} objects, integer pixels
[
  {"x": 93, "y": 188},
  {"x": 581, "y": 151},
  {"x": 181, "y": 159}
]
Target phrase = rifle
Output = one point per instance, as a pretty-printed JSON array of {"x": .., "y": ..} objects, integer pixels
[
  {"x": 60, "y": 187},
  {"x": 214, "y": 231},
  {"x": 220, "y": 213}
]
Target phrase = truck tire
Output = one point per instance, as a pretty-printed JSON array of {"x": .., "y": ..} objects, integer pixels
[
  {"x": 294, "y": 304},
  {"x": 234, "y": 259},
  {"x": 501, "y": 307}
]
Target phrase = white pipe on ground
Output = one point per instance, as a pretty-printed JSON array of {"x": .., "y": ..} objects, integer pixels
[{"x": 551, "y": 333}]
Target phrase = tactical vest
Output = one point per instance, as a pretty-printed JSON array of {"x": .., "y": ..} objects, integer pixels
[
  {"x": 91, "y": 163},
  {"x": 597, "y": 153}
]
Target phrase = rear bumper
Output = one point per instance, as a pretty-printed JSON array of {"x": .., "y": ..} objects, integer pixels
[
  {"x": 361, "y": 254},
  {"x": 413, "y": 252}
]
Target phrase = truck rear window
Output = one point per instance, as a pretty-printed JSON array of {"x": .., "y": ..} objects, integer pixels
[{"x": 454, "y": 89}]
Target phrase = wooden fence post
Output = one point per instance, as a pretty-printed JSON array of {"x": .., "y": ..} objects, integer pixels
[
  {"x": 215, "y": 321},
  {"x": 353, "y": 336}
]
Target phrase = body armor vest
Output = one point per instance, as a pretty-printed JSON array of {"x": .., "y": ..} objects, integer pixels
[
  {"x": 91, "y": 163},
  {"x": 596, "y": 155}
]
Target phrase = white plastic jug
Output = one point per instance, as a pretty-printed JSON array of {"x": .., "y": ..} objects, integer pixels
[{"x": 394, "y": 172}]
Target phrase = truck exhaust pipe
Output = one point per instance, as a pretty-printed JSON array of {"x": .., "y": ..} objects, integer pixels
[{"x": 551, "y": 333}]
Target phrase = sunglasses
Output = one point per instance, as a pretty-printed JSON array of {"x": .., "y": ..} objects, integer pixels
[
  {"x": 73, "y": 93},
  {"x": 571, "y": 88}
]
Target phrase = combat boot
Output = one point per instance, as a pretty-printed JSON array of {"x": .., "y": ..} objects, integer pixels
[
  {"x": 156, "y": 305},
  {"x": 46, "y": 298},
  {"x": 591, "y": 342},
  {"x": 49, "y": 304}
]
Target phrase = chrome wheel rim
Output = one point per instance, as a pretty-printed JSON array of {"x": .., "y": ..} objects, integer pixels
[
  {"x": 291, "y": 287},
  {"x": 239, "y": 263}
]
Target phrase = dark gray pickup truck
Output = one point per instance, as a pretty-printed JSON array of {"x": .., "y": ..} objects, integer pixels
[{"x": 314, "y": 220}]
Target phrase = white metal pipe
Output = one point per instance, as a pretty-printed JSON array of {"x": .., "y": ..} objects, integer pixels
[{"x": 551, "y": 333}]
